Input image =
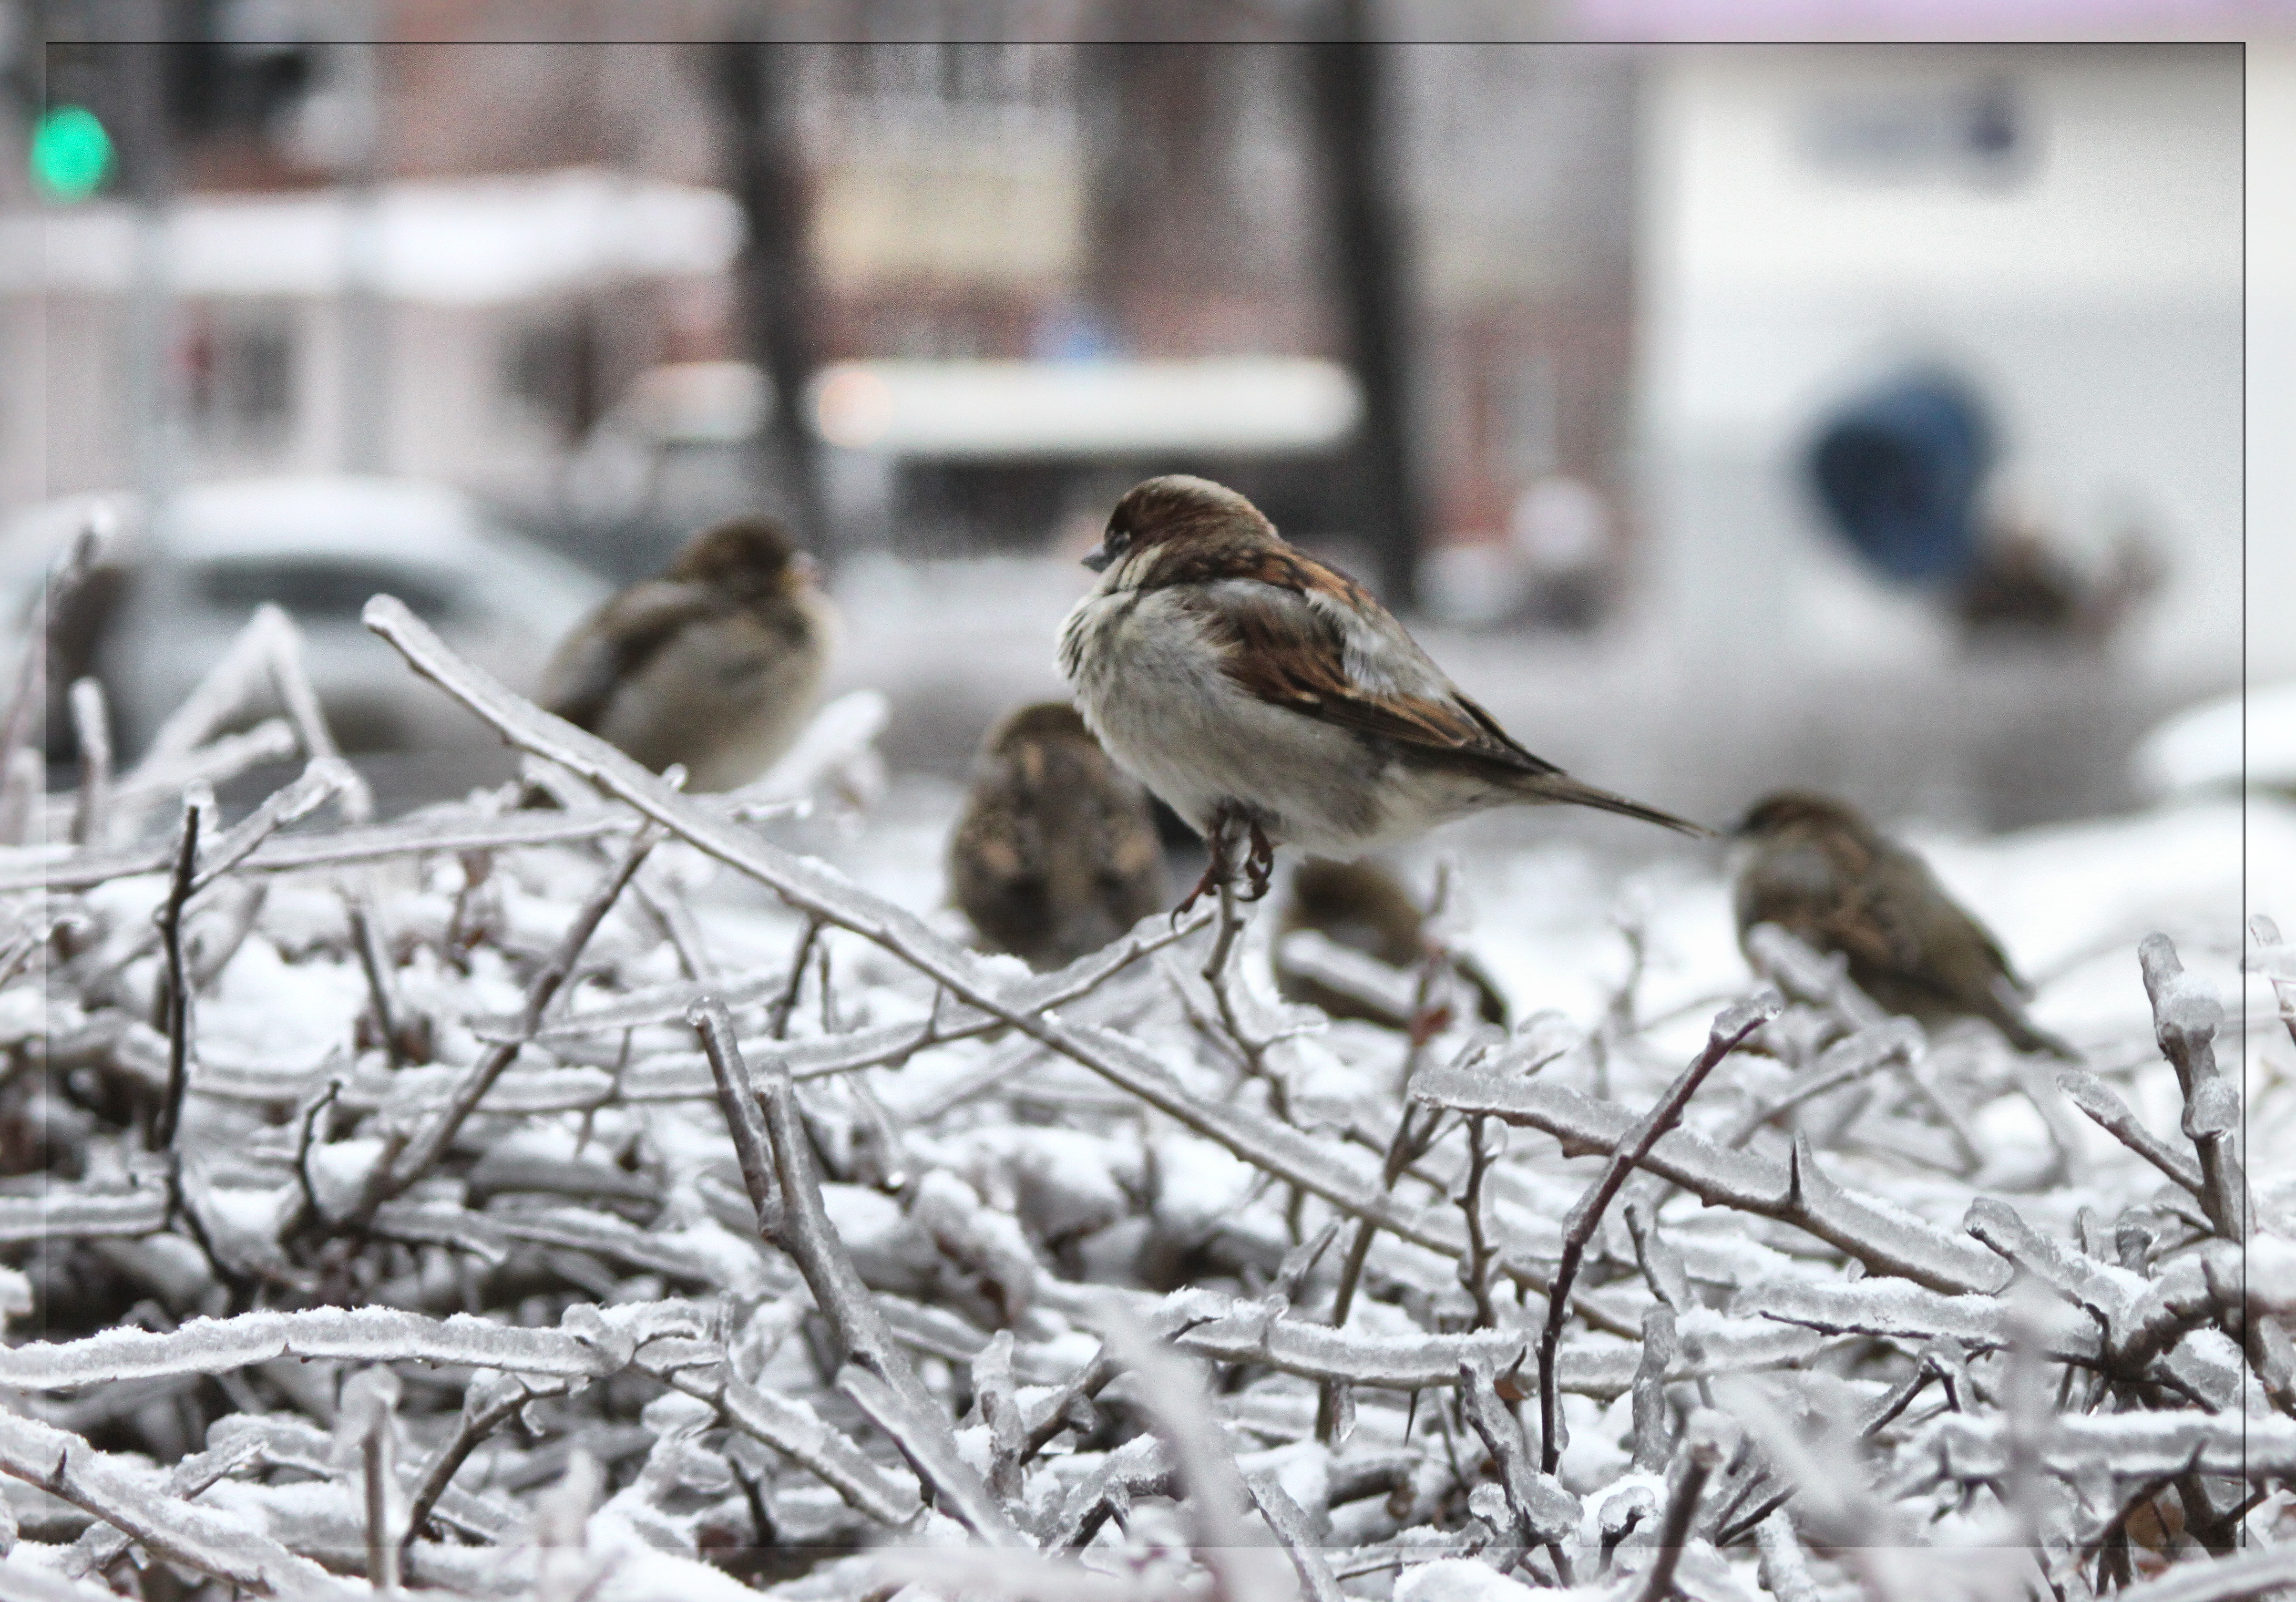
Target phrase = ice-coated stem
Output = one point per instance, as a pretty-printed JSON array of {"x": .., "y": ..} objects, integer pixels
[{"x": 1731, "y": 1025}]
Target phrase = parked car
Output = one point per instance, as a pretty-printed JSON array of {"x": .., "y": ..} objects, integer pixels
[{"x": 170, "y": 594}]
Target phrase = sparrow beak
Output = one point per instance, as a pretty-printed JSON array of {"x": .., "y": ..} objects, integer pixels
[{"x": 1098, "y": 560}]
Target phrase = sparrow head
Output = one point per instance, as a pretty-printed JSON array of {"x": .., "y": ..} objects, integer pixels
[
  {"x": 1784, "y": 810},
  {"x": 1041, "y": 722},
  {"x": 750, "y": 556},
  {"x": 1177, "y": 510}
]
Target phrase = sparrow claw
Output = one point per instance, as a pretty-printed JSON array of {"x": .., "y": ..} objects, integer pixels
[
  {"x": 1259, "y": 867},
  {"x": 1210, "y": 881},
  {"x": 1220, "y": 868}
]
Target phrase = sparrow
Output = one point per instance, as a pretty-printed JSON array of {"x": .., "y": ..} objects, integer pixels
[
  {"x": 1363, "y": 907},
  {"x": 715, "y": 665},
  {"x": 1267, "y": 696},
  {"x": 1815, "y": 866},
  {"x": 1055, "y": 853}
]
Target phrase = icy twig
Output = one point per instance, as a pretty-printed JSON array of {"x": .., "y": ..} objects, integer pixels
[
  {"x": 1219, "y": 973},
  {"x": 777, "y": 1016},
  {"x": 91, "y": 731},
  {"x": 390, "y": 1179},
  {"x": 2185, "y": 1022},
  {"x": 2267, "y": 934},
  {"x": 586, "y": 1344},
  {"x": 369, "y": 1400},
  {"x": 341, "y": 847},
  {"x": 1731, "y": 1025},
  {"x": 1139, "y": 1467},
  {"x": 217, "y": 763},
  {"x": 491, "y": 1400},
  {"x": 1896, "y": 1308},
  {"x": 878, "y": 1376},
  {"x": 785, "y": 1424},
  {"x": 375, "y": 967},
  {"x": 1661, "y": 1348},
  {"x": 100, "y": 1545},
  {"x": 1886, "y": 1240},
  {"x": 752, "y": 1147},
  {"x": 1247, "y": 1334},
  {"x": 2094, "y": 1097},
  {"x": 1292, "y": 1529},
  {"x": 1178, "y": 1313},
  {"x": 197, "y": 1537},
  {"x": 1180, "y": 1415},
  {"x": 1545, "y": 1515},
  {"x": 1705, "y": 1443},
  {"x": 2136, "y": 1445},
  {"x": 1844, "y": 1062},
  {"x": 64, "y": 1213},
  {"x": 323, "y": 777},
  {"x": 1805, "y": 975},
  {"x": 1291, "y": 1154}
]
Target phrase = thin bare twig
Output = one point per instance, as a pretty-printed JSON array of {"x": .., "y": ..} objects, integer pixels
[
  {"x": 777, "y": 1016},
  {"x": 1704, "y": 1446},
  {"x": 1731, "y": 1025},
  {"x": 486, "y": 1406},
  {"x": 391, "y": 1178},
  {"x": 753, "y": 1149},
  {"x": 374, "y": 964},
  {"x": 176, "y": 1008}
]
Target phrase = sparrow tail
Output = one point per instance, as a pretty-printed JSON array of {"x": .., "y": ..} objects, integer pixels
[{"x": 1578, "y": 792}]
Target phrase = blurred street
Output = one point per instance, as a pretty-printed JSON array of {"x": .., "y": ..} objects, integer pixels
[{"x": 1607, "y": 364}]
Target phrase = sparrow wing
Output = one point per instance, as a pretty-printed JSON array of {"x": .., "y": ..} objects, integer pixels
[
  {"x": 604, "y": 653},
  {"x": 1298, "y": 635}
]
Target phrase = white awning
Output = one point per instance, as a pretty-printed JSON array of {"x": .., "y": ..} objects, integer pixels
[
  {"x": 462, "y": 241},
  {"x": 1232, "y": 406}
]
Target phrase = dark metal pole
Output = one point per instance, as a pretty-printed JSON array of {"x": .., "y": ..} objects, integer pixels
[
  {"x": 777, "y": 279},
  {"x": 1369, "y": 279}
]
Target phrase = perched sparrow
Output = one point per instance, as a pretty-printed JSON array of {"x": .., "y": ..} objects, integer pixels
[
  {"x": 1055, "y": 854},
  {"x": 1261, "y": 693},
  {"x": 1362, "y": 906},
  {"x": 714, "y": 664},
  {"x": 1823, "y": 874}
]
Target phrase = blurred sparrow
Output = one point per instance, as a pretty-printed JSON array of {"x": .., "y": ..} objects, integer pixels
[
  {"x": 1267, "y": 696},
  {"x": 1363, "y": 907},
  {"x": 1055, "y": 854},
  {"x": 1820, "y": 871},
  {"x": 714, "y": 664}
]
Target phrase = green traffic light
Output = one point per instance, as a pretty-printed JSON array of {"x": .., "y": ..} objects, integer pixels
[{"x": 71, "y": 153}]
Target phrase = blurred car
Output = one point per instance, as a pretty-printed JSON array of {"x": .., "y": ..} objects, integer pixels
[{"x": 170, "y": 594}]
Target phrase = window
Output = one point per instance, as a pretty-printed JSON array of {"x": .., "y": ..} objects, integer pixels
[
  {"x": 315, "y": 589},
  {"x": 239, "y": 374}
]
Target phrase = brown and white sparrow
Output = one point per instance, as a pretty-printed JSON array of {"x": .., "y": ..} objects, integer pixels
[
  {"x": 1054, "y": 854},
  {"x": 715, "y": 665},
  {"x": 1365, "y": 908},
  {"x": 1816, "y": 869},
  {"x": 1264, "y": 695}
]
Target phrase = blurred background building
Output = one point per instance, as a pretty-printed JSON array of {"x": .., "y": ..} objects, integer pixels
[{"x": 1541, "y": 337}]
